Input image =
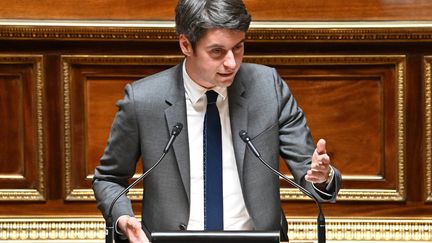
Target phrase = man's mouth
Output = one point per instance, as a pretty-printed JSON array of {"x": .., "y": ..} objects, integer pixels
[{"x": 225, "y": 74}]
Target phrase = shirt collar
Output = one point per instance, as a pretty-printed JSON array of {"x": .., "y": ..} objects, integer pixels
[{"x": 194, "y": 91}]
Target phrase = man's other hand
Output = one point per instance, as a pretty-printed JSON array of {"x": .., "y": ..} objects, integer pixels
[{"x": 131, "y": 228}]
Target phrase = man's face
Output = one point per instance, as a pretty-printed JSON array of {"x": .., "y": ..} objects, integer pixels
[{"x": 216, "y": 59}]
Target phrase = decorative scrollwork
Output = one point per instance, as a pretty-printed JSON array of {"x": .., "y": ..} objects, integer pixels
[
  {"x": 269, "y": 32},
  {"x": 428, "y": 127},
  {"x": 30, "y": 229}
]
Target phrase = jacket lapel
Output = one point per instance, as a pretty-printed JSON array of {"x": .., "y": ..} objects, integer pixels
[
  {"x": 238, "y": 114},
  {"x": 176, "y": 112}
]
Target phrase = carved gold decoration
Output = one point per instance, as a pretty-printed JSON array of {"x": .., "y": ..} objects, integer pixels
[
  {"x": 370, "y": 31},
  {"x": 400, "y": 133},
  {"x": 427, "y": 128},
  {"x": 91, "y": 229},
  {"x": 37, "y": 194},
  {"x": 30, "y": 229},
  {"x": 67, "y": 125}
]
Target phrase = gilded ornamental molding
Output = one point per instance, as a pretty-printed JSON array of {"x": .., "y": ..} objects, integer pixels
[
  {"x": 75, "y": 194},
  {"x": 37, "y": 91},
  {"x": 428, "y": 127},
  {"x": 92, "y": 229},
  {"x": 399, "y": 64},
  {"x": 397, "y": 61},
  {"x": 354, "y": 31}
]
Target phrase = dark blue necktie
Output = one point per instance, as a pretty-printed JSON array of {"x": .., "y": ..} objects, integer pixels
[{"x": 212, "y": 141}]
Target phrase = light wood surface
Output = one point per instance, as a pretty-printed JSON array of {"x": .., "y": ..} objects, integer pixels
[{"x": 335, "y": 10}]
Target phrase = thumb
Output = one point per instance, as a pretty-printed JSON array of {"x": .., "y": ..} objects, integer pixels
[{"x": 321, "y": 146}]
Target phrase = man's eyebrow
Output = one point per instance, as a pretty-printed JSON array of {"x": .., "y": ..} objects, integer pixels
[
  {"x": 221, "y": 46},
  {"x": 240, "y": 42}
]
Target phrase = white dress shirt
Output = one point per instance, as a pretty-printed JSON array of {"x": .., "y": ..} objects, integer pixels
[{"x": 236, "y": 216}]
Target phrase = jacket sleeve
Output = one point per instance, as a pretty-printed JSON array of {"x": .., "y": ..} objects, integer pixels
[
  {"x": 296, "y": 143},
  {"x": 119, "y": 159}
]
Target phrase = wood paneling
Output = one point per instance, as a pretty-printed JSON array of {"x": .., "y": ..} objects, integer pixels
[
  {"x": 365, "y": 88},
  {"x": 21, "y": 128},
  {"x": 335, "y": 10},
  {"x": 356, "y": 104},
  {"x": 11, "y": 120},
  {"x": 91, "y": 87},
  {"x": 352, "y": 101}
]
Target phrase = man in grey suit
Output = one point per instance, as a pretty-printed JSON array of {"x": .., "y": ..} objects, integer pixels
[{"x": 251, "y": 97}]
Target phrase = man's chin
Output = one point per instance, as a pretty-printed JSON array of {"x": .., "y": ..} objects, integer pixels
[{"x": 225, "y": 83}]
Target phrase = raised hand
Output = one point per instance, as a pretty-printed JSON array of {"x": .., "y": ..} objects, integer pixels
[{"x": 320, "y": 166}]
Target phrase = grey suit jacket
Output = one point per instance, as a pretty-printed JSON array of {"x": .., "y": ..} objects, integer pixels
[{"x": 259, "y": 102}]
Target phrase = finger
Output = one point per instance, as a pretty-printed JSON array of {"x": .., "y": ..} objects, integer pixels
[
  {"x": 320, "y": 162},
  {"x": 134, "y": 224},
  {"x": 321, "y": 147},
  {"x": 138, "y": 237},
  {"x": 315, "y": 176},
  {"x": 141, "y": 237},
  {"x": 323, "y": 159},
  {"x": 312, "y": 179},
  {"x": 310, "y": 176},
  {"x": 322, "y": 168},
  {"x": 135, "y": 232}
]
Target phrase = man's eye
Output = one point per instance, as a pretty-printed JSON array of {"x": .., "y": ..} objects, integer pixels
[
  {"x": 216, "y": 51},
  {"x": 238, "y": 48}
]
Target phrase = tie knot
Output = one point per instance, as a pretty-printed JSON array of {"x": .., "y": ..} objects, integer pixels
[{"x": 211, "y": 97}]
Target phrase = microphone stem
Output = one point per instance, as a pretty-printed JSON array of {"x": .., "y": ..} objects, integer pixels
[
  {"x": 138, "y": 180},
  {"x": 321, "y": 219},
  {"x": 109, "y": 234}
]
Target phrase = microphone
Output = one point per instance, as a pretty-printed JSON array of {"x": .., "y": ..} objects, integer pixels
[
  {"x": 109, "y": 232},
  {"x": 321, "y": 220}
]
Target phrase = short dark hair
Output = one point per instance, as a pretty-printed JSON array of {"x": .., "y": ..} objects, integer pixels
[{"x": 194, "y": 17}]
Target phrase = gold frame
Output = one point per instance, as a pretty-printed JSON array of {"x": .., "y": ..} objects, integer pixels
[
  {"x": 75, "y": 228},
  {"x": 98, "y": 30},
  {"x": 92, "y": 229},
  {"x": 38, "y": 91},
  {"x": 67, "y": 61},
  {"x": 427, "y": 62},
  {"x": 399, "y": 62},
  {"x": 396, "y": 194}
]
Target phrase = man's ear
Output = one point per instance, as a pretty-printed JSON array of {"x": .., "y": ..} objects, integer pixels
[{"x": 185, "y": 45}]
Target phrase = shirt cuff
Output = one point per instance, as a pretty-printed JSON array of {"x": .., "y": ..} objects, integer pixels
[{"x": 328, "y": 186}]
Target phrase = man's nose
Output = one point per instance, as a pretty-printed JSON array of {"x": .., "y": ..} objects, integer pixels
[{"x": 230, "y": 61}]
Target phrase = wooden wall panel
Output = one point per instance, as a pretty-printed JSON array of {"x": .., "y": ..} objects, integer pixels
[
  {"x": 335, "y": 10},
  {"x": 21, "y": 128},
  {"x": 11, "y": 123},
  {"x": 91, "y": 87},
  {"x": 357, "y": 104},
  {"x": 374, "y": 112},
  {"x": 364, "y": 123},
  {"x": 101, "y": 92}
]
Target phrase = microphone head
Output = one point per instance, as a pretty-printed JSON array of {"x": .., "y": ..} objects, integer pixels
[
  {"x": 244, "y": 136},
  {"x": 177, "y": 129}
]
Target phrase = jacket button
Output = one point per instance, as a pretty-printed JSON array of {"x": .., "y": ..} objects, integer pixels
[{"x": 182, "y": 227}]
